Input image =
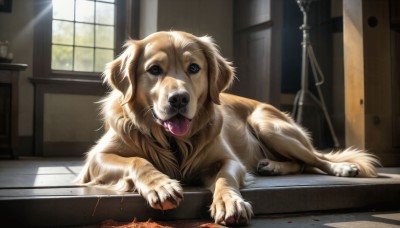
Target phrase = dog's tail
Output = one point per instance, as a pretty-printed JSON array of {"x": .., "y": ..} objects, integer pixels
[{"x": 364, "y": 160}]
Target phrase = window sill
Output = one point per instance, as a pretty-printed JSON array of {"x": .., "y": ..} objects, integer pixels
[
  {"x": 65, "y": 81},
  {"x": 69, "y": 85}
]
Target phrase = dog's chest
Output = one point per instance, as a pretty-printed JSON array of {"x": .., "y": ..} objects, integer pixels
[
  {"x": 190, "y": 172},
  {"x": 177, "y": 153}
]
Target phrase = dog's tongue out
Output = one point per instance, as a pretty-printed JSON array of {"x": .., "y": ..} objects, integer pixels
[{"x": 178, "y": 125}]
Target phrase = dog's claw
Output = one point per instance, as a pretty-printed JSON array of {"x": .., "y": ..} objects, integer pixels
[
  {"x": 178, "y": 194},
  {"x": 160, "y": 205},
  {"x": 166, "y": 196},
  {"x": 172, "y": 200},
  {"x": 231, "y": 211}
]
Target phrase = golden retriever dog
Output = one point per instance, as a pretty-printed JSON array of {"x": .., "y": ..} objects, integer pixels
[{"x": 168, "y": 124}]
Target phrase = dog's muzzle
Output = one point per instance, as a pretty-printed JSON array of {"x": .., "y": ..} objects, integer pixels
[{"x": 177, "y": 124}]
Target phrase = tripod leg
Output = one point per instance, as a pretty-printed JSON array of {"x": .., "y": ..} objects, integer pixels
[
  {"x": 295, "y": 104},
  {"x": 321, "y": 103},
  {"x": 299, "y": 118}
]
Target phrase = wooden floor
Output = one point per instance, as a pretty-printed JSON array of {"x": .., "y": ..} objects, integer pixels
[{"x": 41, "y": 192}]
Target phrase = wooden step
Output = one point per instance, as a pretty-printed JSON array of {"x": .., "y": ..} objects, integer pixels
[{"x": 40, "y": 193}]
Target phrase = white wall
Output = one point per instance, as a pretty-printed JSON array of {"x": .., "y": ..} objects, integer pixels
[
  {"x": 75, "y": 119},
  {"x": 148, "y": 17},
  {"x": 200, "y": 17}
]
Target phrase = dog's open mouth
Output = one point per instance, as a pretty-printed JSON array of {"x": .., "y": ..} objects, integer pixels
[{"x": 177, "y": 125}]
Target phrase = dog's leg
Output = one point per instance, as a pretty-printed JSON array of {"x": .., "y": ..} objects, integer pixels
[
  {"x": 288, "y": 139},
  {"x": 291, "y": 147},
  {"x": 267, "y": 167},
  {"x": 228, "y": 207},
  {"x": 160, "y": 191}
]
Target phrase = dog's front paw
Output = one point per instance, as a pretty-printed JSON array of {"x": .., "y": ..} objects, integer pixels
[
  {"x": 164, "y": 195},
  {"x": 230, "y": 209},
  {"x": 345, "y": 169}
]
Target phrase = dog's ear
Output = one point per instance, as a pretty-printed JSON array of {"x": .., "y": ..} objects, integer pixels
[
  {"x": 220, "y": 71},
  {"x": 120, "y": 74}
]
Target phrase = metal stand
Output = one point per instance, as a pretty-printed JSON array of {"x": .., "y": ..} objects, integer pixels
[{"x": 308, "y": 57}]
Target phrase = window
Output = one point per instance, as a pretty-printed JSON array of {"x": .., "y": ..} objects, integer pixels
[
  {"x": 82, "y": 35},
  {"x": 74, "y": 39}
]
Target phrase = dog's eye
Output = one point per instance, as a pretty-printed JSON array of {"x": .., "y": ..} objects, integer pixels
[
  {"x": 155, "y": 70},
  {"x": 193, "y": 68}
]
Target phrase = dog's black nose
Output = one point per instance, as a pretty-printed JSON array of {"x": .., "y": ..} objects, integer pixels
[{"x": 178, "y": 99}]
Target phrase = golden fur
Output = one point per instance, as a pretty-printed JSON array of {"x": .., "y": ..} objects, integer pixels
[{"x": 168, "y": 123}]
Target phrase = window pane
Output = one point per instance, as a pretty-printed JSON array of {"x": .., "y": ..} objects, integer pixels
[
  {"x": 104, "y": 36},
  {"x": 84, "y": 34},
  {"x": 62, "y": 32},
  {"x": 84, "y": 11},
  {"x": 63, "y": 9},
  {"x": 61, "y": 57},
  {"x": 103, "y": 56},
  {"x": 83, "y": 59},
  {"x": 104, "y": 13}
]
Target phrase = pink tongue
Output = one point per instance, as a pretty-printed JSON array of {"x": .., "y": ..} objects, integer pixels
[{"x": 177, "y": 126}]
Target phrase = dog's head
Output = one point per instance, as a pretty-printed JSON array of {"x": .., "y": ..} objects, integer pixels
[{"x": 170, "y": 76}]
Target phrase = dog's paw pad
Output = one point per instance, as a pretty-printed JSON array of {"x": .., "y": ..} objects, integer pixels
[{"x": 345, "y": 169}]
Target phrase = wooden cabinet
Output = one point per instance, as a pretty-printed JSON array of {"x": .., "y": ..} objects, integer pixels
[{"x": 9, "y": 107}]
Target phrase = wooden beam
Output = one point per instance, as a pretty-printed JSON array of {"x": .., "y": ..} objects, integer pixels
[
  {"x": 367, "y": 63},
  {"x": 354, "y": 73}
]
